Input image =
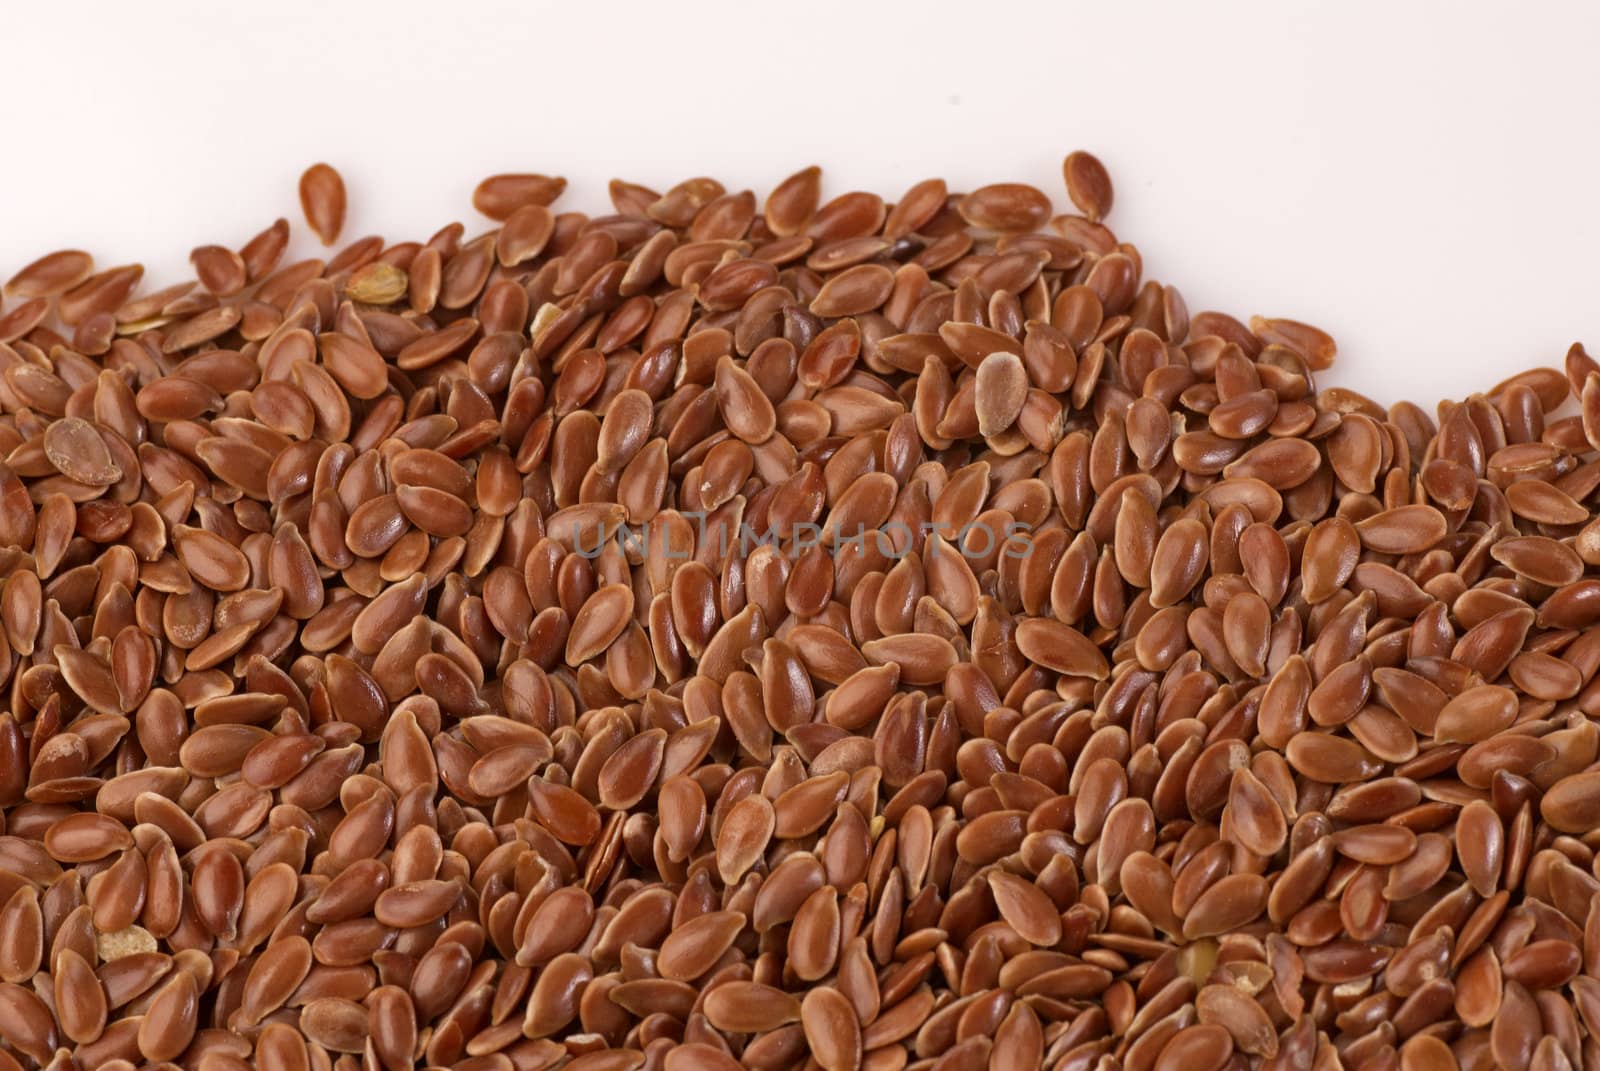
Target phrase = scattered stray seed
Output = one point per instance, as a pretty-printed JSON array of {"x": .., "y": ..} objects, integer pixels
[{"x": 322, "y": 201}]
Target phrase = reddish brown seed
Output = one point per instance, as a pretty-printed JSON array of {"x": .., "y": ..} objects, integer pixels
[
  {"x": 322, "y": 201},
  {"x": 1480, "y": 843},
  {"x": 26, "y": 1023},
  {"x": 1006, "y": 207},
  {"x": 565, "y": 813},
  {"x": 358, "y": 368},
  {"x": 854, "y": 291},
  {"x": 600, "y": 621},
  {"x": 1544, "y": 964},
  {"x": 831, "y": 1029},
  {"x": 1516, "y": 1029},
  {"x": 277, "y": 972},
  {"x": 793, "y": 201},
  {"x": 1061, "y": 648},
  {"x": 1331, "y": 551},
  {"x": 743, "y": 1007},
  {"x": 1241, "y": 1015},
  {"x": 1572, "y": 804},
  {"x": 523, "y": 236},
  {"x": 21, "y": 936},
  {"x": 746, "y": 409},
  {"x": 744, "y": 836},
  {"x": 80, "y": 998},
  {"x": 1476, "y": 714},
  {"x": 1229, "y": 903},
  {"x": 1203, "y": 1046},
  {"x": 1026, "y": 909},
  {"x": 83, "y": 838},
  {"x": 1088, "y": 184},
  {"x": 1255, "y": 815},
  {"x": 78, "y": 451},
  {"x": 51, "y": 274},
  {"x": 690, "y": 950},
  {"x": 499, "y": 196},
  {"x": 220, "y": 270},
  {"x": 172, "y": 1018}
]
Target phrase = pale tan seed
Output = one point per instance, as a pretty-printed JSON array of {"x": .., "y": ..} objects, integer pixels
[
  {"x": 1002, "y": 387},
  {"x": 377, "y": 283}
]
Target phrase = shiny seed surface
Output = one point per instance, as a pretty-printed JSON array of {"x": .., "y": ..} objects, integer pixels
[{"x": 803, "y": 630}]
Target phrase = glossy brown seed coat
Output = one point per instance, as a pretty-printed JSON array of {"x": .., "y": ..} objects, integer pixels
[
  {"x": 322, "y": 201},
  {"x": 738, "y": 632}
]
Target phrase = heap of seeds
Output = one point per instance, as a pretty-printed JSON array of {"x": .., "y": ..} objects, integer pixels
[{"x": 774, "y": 635}]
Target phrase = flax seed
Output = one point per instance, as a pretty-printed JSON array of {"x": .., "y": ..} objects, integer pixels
[
  {"x": 407, "y": 640},
  {"x": 322, "y": 201}
]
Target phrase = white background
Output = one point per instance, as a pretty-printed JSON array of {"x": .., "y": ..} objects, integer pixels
[{"x": 1420, "y": 179}]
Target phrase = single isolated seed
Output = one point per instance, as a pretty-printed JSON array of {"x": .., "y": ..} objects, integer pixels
[
  {"x": 1088, "y": 184},
  {"x": 322, "y": 201}
]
